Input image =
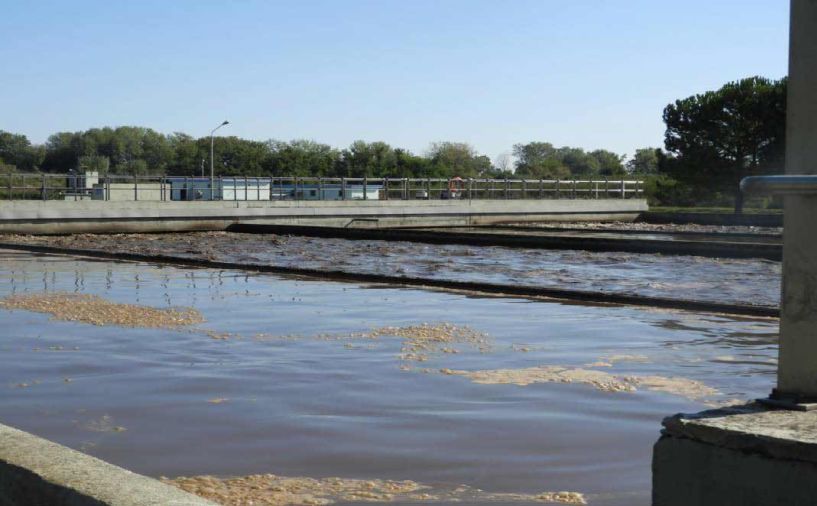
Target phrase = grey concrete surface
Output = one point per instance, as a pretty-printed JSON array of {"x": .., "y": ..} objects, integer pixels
[
  {"x": 797, "y": 375},
  {"x": 687, "y": 472},
  {"x": 747, "y": 455},
  {"x": 752, "y": 428},
  {"x": 38, "y": 472},
  {"x": 134, "y": 216}
]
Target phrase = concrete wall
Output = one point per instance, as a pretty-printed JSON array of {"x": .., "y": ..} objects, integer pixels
[
  {"x": 55, "y": 217},
  {"x": 688, "y": 472},
  {"x": 38, "y": 472}
]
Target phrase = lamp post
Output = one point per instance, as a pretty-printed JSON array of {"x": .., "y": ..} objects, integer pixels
[{"x": 212, "y": 141}]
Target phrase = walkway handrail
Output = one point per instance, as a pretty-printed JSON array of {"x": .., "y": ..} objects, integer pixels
[{"x": 47, "y": 186}]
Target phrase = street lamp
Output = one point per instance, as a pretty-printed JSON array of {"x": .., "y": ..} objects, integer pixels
[{"x": 212, "y": 141}]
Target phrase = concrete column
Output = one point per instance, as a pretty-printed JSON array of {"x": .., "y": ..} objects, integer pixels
[{"x": 797, "y": 372}]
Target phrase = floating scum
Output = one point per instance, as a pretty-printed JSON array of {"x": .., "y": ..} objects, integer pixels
[
  {"x": 95, "y": 310},
  {"x": 272, "y": 490},
  {"x": 419, "y": 341}
]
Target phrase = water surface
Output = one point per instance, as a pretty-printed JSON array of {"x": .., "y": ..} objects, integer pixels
[{"x": 293, "y": 404}]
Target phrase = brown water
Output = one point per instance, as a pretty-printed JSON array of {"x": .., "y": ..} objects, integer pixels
[
  {"x": 652, "y": 227},
  {"x": 741, "y": 281},
  {"x": 286, "y": 376}
]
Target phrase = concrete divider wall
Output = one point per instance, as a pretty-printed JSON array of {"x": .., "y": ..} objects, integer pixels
[
  {"x": 54, "y": 217},
  {"x": 717, "y": 219},
  {"x": 38, "y": 472}
]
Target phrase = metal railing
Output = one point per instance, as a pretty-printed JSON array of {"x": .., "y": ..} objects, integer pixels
[{"x": 73, "y": 187}]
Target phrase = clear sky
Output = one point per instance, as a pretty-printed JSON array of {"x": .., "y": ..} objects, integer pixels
[{"x": 586, "y": 73}]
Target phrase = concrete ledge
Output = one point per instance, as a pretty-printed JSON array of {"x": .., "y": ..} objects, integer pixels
[
  {"x": 748, "y": 455},
  {"x": 38, "y": 472},
  {"x": 774, "y": 433},
  {"x": 719, "y": 219},
  {"x": 55, "y": 217}
]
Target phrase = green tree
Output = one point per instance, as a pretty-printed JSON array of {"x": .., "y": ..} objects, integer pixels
[
  {"x": 233, "y": 156},
  {"x": 539, "y": 160},
  {"x": 716, "y": 138},
  {"x": 62, "y": 151},
  {"x": 410, "y": 165},
  {"x": 189, "y": 155},
  {"x": 644, "y": 161},
  {"x": 375, "y": 159},
  {"x": 457, "y": 159},
  {"x": 18, "y": 151},
  {"x": 609, "y": 163},
  {"x": 303, "y": 158}
]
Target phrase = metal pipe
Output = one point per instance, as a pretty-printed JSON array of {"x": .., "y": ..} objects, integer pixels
[{"x": 779, "y": 185}]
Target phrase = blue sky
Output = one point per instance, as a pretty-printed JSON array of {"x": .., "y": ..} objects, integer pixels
[{"x": 587, "y": 73}]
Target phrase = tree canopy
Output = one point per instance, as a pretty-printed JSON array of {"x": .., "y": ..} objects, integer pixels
[
  {"x": 139, "y": 150},
  {"x": 716, "y": 138},
  {"x": 543, "y": 160}
]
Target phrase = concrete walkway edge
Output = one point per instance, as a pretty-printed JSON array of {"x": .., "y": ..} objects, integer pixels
[{"x": 38, "y": 472}]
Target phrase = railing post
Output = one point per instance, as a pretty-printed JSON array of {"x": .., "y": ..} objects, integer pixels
[
  {"x": 365, "y": 192},
  {"x": 470, "y": 188},
  {"x": 343, "y": 188},
  {"x": 428, "y": 189},
  {"x": 574, "y": 189},
  {"x": 44, "y": 193},
  {"x": 320, "y": 188},
  {"x": 623, "y": 190},
  {"x": 558, "y": 190},
  {"x": 386, "y": 188},
  {"x": 541, "y": 188},
  {"x": 135, "y": 188},
  {"x": 507, "y": 189}
]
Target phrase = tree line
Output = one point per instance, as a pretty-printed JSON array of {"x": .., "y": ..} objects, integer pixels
[
  {"x": 139, "y": 150},
  {"x": 711, "y": 141}
]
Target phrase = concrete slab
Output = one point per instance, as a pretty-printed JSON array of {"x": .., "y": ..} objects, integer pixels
[
  {"x": 38, "y": 472},
  {"x": 744, "y": 455},
  {"x": 755, "y": 428}
]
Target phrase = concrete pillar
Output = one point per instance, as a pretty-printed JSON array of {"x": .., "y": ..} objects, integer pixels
[{"x": 797, "y": 372}]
